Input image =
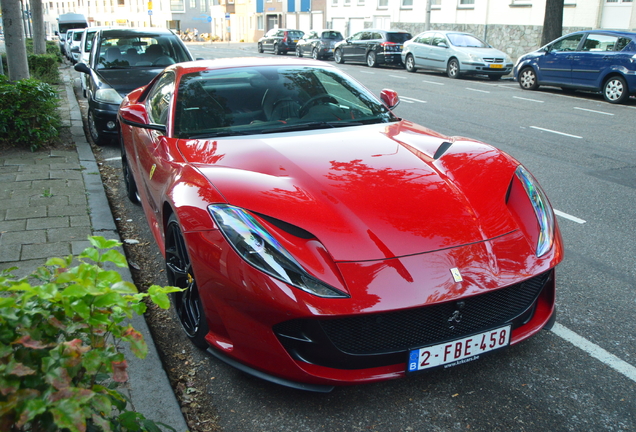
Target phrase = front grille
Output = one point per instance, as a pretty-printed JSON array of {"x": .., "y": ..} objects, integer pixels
[
  {"x": 493, "y": 60},
  {"x": 345, "y": 342}
]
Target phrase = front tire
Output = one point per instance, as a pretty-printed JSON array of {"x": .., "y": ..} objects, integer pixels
[
  {"x": 299, "y": 52},
  {"x": 96, "y": 135},
  {"x": 410, "y": 64},
  {"x": 528, "y": 79},
  {"x": 452, "y": 69},
  {"x": 337, "y": 56},
  {"x": 372, "y": 60},
  {"x": 315, "y": 54},
  {"x": 615, "y": 90},
  {"x": 260, "y": 47},
  {"x": 187, "y": 303}
]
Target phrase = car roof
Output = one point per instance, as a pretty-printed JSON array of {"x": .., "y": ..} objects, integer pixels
[
  {"x": 114, "y": 32},
  {"x": 227, "y": 63},
  {"x": 608, "y": 32},
  {"x": 384, "y": 31}
]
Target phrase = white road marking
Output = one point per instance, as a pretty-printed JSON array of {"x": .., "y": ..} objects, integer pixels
[
  {"x": 433, "y": 82},
  {"x": 556, "y": 132},
  {"x": 410, "y": 99},
  {"x": 405, "y": 100},
  {"x": 526, "y": 99},
  {"x": 477, "y": 90},
  {"x": 593, "y": 111},
  {"x": 366, "y": 72},
  {"x": 568, "y": 216},
  {"x": 398, "y": 76},
  {"x": 595, "y": 351},
  {"x": 113, "y": 158}
]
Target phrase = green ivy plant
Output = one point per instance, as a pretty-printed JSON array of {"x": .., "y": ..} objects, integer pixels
[{"x": 60, "y": 330}]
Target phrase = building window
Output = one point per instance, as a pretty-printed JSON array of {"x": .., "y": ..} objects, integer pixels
[
  {"x": 466, "y": 2},
  {"x": 383, "y": 4},
  {"x": 407, "y": 4},
  {"x": 347, "y": 2},
  {"x": 120, "y": 3},
  {"x": 360, "y": 2},
  {"x": 334, "y": 2},
  {"x": 177, "y": 6},
  {"x": 259, "y": 22}
]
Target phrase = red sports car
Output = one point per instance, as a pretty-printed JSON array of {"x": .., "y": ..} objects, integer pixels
[{"x": 320, "y": 239}]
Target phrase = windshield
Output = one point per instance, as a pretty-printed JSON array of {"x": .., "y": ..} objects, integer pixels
[
  {"x": 77, "y": 36},
  {"x": 465, "y": 40},
  {"x": 140, "y": 51},
  {"x": 269, "y": 99}
]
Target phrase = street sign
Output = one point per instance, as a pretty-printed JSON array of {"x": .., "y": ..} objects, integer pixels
[
  {"x": 227, "y": 15},
  {"x": 209, "y": 19},
  {"x": 149, "y": 12}
]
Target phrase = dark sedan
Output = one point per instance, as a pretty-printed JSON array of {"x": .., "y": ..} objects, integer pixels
[
  {"x": 374, "y": 47},
  {"x": 120, "y": 61},
  {"x": 280, "y": 41},
  {"x": 318, "y": 43}
]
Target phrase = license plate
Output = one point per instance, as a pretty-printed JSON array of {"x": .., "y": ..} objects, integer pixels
[
  {"x": 458, "y": 351},
  {"x": 496, "y": 66},
  {"x": 295, "y": 40}
]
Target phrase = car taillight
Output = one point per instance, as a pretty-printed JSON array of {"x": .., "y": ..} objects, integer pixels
[
  {"x": 389, "y": 46},
  {"x": 285, "y": 38}
]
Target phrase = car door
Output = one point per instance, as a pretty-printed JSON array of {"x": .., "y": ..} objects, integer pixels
[
  {"x": 420, "y": 49},
  {"x": 268, "y": 42},
  {"x": 437, "y": 57},
  {"x": 309, "y": 42},
  {"x": 351, "y": 48},
  {"x": 597, "y": 54},
  {"x": 149, "y": 144},
  {"x": 555, "y": 66}
]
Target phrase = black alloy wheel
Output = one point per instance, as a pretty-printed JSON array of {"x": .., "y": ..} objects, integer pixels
[
  {"x": 187, "y": 303},
  {"x": 129, "y": 180}
]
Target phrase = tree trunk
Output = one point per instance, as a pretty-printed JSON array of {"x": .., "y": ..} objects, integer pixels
[
  {"x": 39, "y": 34},
  {"x": 553, "y": 21},
  {"x": 14, "y": 40}
]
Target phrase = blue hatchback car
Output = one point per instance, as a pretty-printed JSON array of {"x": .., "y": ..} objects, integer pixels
[{"x": 592, "y": 60}]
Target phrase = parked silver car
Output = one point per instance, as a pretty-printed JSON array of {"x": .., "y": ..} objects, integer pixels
[{"x": 456, "y": 53}]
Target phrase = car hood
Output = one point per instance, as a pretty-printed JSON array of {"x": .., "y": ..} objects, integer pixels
[
  {"x": 366, "y": 192},
  {"x": 126, "y": 80},
  {"x": 481, "y": 52}
]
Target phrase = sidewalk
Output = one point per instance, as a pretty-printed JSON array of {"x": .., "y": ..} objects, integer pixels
[{"x": 50, "y": 202}]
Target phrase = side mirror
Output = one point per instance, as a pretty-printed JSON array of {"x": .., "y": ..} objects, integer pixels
[
  {"x": 82, "y": 67},
  {"x": 348, "y": 39},
  {"x": 390, "y": 98},
  {"x": 136, "y": 115},
  {"x": 75, "y": 49},
  {"x": 442, "y": 45}
]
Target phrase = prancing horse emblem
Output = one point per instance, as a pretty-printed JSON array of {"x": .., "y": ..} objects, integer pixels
[{"x": 457, "y": 276}]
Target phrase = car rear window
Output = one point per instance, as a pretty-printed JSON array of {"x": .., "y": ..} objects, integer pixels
[
  {"x": 295, "y": 34},
  {"x": 398, "y": 37},
  {"x": 332, "y": 35}
]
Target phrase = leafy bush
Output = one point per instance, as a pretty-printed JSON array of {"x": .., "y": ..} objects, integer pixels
[
  {"x": 44, "y": 67},
  {"x": 28, "y": 113},
  {"x": 59, "y": 362}
]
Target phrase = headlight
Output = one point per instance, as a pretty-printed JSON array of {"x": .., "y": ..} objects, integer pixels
[
  {"x": 475, "y": 58},
  {"x": 108, "y": 95},
  {"x": 256, "y": 246},
  {"x": 542, "y": 209}
]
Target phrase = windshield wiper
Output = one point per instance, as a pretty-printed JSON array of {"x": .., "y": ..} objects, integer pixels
[
  {"x": 217, "y": 134},
  {"x": 311, "y": 125}
]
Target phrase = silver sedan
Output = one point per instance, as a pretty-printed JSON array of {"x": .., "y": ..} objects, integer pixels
[{"x": 456, "y": 54}]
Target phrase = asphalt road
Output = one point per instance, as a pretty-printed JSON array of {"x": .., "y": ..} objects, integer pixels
[{"x": 579, "y": 377}]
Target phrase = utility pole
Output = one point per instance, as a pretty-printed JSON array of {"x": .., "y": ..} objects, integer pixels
[
  {"x": 14, "y": 40},
  {"x": 427, "y": 22}
]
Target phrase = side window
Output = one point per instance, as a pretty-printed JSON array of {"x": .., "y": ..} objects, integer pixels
[
  {"x": 437, "y": 39},
  {"x": 599, "y": 42},
  {"x": 158, "y": 102},
  {"x": 570, "y": 43},
  {"x": 621, "y": 44},
  {"x": 357, "y": 36},
  {"x": 376, "y": 36}
]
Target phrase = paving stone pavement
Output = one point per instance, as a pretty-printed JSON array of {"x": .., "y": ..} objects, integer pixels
[{"x": 50, "y": 202}]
